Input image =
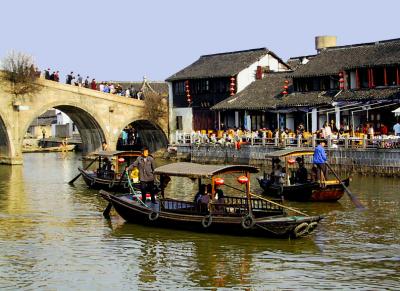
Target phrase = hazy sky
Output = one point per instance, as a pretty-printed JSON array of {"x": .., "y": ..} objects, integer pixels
[{"x": 124, "y": 40}]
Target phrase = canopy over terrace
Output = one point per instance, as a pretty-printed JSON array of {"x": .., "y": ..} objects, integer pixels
[{"x": 396, "y": 112}]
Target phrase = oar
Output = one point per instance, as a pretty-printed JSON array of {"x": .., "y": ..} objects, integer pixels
[
  {"x": 270, "y": 201},
  {"x": 74, "y": 179},
  {"x": 106, "y": 212},
  {"x": 352, "y": 197}
]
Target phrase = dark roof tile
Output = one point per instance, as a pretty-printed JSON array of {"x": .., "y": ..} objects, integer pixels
[
  {"x": 220, "y": 65},
  {"x": 333, "y": 60}
]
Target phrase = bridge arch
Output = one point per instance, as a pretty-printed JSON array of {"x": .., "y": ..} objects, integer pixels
[
  {"x": 5, "y": 144},
  {"x": 149, "y": 134},
  {"x": 90, "y": 126}
]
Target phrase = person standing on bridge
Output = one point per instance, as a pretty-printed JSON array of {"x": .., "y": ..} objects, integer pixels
[
  {"x": 93, "y": 84},
  {"x": 146, "y": 165}
]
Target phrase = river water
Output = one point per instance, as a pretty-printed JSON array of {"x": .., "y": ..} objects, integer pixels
[{"x": 54, "y": 237}]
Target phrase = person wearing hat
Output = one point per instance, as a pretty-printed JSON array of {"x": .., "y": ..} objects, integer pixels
[
  {"x": 301, "y": 172},
  {"x": 146, "y": 165}
]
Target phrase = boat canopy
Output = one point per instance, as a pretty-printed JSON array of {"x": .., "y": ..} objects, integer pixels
[
  {"x": 118, "y": 153},
  {"x": 193, "y": 170},
  {"x": 290, "y": 152}
]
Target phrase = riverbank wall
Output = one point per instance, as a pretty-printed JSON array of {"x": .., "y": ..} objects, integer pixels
[{"x": 383, "y": 162}]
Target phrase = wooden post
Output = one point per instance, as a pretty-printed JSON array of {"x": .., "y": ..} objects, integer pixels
[
  {"x": 299, "y": 140},
  {"x": 384, "y": 76},
  {"x": 248, "y": 193},
  {"x": 365, "y": 141},
  {"x": 346, "y": 142},
  {"x": 329, "y": 141},
  {"x": 357, "y": 80},
  {"x": 314, "y": 140},
  {"x": 369, "y": 78},
  {"x": 372, "y": 78},
  {"x": 276, "y": 140}
]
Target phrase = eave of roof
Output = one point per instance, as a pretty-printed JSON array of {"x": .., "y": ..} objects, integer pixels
[{"x": 222, "y": 64}]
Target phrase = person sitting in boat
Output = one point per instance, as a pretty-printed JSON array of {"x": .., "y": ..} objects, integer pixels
[
  {"x": 301, "y": 172},
  {"x": 106, "y": 170},
  {"x": 220, "y": 199},
  {"x": 202, "y": 190},
  {"x": 203, "y": 201},
  {"x": 278, "y": 172}
]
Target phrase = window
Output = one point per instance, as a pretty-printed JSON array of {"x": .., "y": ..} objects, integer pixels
[{"x": 179, "y": 125}]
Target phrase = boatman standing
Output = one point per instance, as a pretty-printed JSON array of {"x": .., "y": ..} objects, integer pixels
[
  {"x": 319, "y": 159},
  {"x": 145, "y": 163}
]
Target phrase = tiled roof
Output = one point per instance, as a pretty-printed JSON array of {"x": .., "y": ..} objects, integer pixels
[
  {"x": 266, "y": 94},
  {"x": 369, "y": 94},
  {"x": 221, "y": 65},
  {"x": 333, "y": 60}
]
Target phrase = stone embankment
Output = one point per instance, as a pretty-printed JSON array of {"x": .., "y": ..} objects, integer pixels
[{"x": 385, "y": 162}]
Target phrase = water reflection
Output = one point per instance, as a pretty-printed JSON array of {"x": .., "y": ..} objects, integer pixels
[
  {"x": 53, "y": 236},
  {"x": 204, "y": 260}
]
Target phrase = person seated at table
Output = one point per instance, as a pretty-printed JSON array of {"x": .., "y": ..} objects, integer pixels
[{"x": 301, "y": 172}]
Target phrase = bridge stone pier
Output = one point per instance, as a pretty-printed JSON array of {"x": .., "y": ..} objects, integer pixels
[{"x": 98, "y": 116}]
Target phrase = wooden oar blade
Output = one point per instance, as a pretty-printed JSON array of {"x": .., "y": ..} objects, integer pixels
[
  {"x": 106, "y": 212},
  {"x": 357, "y": 203},
  {"x": 74, "y": 179}
]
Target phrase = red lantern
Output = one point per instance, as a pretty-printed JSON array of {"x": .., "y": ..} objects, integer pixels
[
  {"x": 243, "y": 179},
  {"x": 187, "y": 90},
  {"x": 291, "y": 161},
  {"x": 219, "y": 181},
  {"x": 341, "y": 81},
  {"x": 121, "y": 160},
  {"x": 285, "y": 88},
  {"x": 232, "y": 86}
]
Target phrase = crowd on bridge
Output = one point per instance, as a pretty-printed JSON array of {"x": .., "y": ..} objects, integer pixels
[{"x": 106, "y": 87}]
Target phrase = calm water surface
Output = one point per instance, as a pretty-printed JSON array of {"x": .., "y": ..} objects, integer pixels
[{"x": 54, "y": 237}]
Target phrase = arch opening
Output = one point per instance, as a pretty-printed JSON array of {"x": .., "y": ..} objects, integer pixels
[
  {"x": 140, "y": 133},
  {"x": 89, "y": 129},
  {"x": 4, "y": 140}
]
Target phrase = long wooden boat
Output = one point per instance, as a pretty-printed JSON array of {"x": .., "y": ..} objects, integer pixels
[
  {"x": 291, "y": 189},
  {"x": 112, "y": 179},
  {"x": 236, "y": 215}
]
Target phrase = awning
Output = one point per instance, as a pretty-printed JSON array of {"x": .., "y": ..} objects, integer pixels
[{"x": 396, "y": 112}]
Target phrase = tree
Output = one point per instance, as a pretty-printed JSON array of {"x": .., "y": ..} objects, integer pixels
[
  {"x": 155, "y": 108},
  {"x": 19, "y": 74}
]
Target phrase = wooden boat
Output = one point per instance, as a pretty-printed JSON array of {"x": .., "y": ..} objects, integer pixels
[
  {"x": 112, "y": 178},
  {"x": 238, "y": 215},
  {"x": 291, "y": 188},
  {"x": 66, "y": 148}
]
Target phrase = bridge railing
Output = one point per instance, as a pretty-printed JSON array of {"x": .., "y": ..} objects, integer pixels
[{"x": 344, "y": 141}]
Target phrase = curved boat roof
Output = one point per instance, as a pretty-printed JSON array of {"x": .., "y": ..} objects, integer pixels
[
  {"x": 117, "y": 153},
  {"x": 290, "y": 152},
  {"x": 193, "y": 170}
]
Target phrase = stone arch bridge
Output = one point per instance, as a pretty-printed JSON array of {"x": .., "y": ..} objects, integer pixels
[{"x": 98, "y": 116}]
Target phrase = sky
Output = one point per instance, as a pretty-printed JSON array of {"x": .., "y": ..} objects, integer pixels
[{"x": 126, "y": 39}]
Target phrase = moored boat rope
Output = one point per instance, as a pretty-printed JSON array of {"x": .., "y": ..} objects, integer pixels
[{"x": 281, "y": 205}]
